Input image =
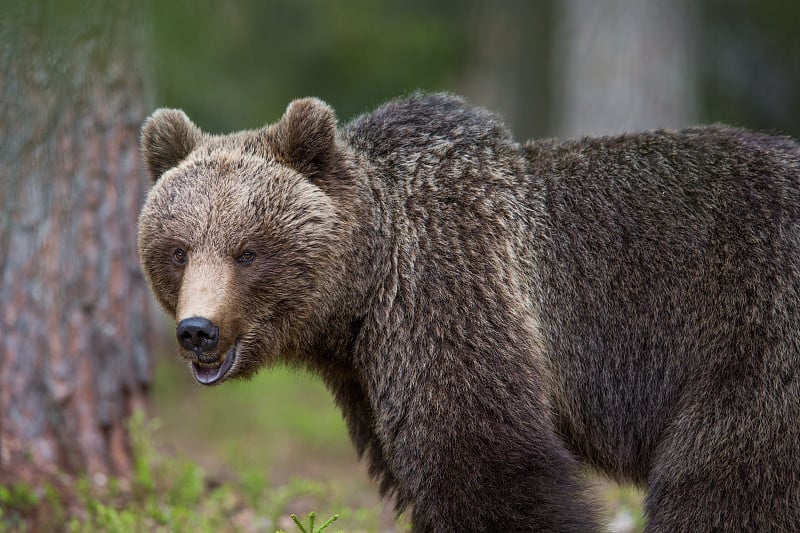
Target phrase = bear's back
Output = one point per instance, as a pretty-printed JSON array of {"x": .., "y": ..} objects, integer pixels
[
  {"x": 406, "y": 128},
  {"x": 665, "y": 252}
]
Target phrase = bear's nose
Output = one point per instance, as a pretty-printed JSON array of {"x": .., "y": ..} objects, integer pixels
[{"x": 197, "y": 334}]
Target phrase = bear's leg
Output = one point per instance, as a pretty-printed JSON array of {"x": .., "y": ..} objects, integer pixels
[
  {"x": 512, "y": 502},
  {"x": 496, "y": 481},
  {"x": 730, "y": 461},
  {"x": 463, "y": 413}
]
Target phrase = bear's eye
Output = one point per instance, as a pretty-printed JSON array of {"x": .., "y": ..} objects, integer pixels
[
  {"x": 179, "y": 256},
  {"x": 246, "y": 258}
]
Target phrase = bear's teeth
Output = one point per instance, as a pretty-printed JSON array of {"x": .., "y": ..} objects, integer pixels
[
  {"x": 204, "y": 374},
  {"x": 208, "y": 375}
]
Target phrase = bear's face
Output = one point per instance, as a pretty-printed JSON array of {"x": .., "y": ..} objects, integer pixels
[{"x": 236, "y": 241}]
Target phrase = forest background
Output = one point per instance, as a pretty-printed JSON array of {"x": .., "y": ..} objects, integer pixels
[{"x": 77, "y": 79}]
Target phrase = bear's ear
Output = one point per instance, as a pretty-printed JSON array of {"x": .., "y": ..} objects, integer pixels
[
  {"x": 167, "y": 137},
  {"x": 305, "y": 137}
]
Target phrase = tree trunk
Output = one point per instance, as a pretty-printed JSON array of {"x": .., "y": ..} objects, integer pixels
[
  {"x": 513, "y": 41},
  {"x": 624, "y": 65},
  {"x": 74, "y": 309}
]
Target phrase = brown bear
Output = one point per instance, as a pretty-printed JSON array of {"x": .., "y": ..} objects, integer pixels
[{"x": 492, "y": 317}]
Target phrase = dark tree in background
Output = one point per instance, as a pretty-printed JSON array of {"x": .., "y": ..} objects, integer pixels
[
  {"x": 508, "y": 59},
  {"x": 625, "y": 65},
  {"x": 74, "y": 310}
]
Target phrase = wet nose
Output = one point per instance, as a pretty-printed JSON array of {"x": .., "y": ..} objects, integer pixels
[{"x": 197, "y": 334}]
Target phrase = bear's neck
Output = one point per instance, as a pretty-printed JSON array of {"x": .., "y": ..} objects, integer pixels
[{"x": 365, "y": 232}]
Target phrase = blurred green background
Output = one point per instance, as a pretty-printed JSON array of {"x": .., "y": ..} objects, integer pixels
[
  {"x": 236, "y": 64},
  {"x": 551, "y": 68}
]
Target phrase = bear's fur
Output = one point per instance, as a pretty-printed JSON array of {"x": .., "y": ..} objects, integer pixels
[{"x": 491, "y": 316}]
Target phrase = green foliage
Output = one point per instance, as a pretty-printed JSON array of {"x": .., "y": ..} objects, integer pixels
[
  {"x": 285, "y": 425},
  {"x": 189, "y": 484},
  {"x": 254, "y": 484},
  {"x": 16, "y": 501},
  {"x": 18, "y": 496},
  {"x": 311, "y": 518},
  {"x": 19, "y": 503},
  {"x": 167, "y": 495},
  {"x": 164, "y": 495},
  {"x": 143, "y": 453},
  {"x": 104, "y": 517},
  {"x": 237, "y": 64}
]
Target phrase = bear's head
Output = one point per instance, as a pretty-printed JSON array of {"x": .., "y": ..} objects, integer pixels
[{"x": 238, "y": 238}]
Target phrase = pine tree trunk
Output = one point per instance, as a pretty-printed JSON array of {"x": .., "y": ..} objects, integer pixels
[
  {"x": 74, "y": 309},
  {"x": 624, "y": 65}
]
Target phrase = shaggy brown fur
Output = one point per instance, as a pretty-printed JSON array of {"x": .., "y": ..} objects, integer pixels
[{"x": 490, "y": 315}]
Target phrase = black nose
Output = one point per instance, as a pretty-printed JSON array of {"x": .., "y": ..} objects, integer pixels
[{"x": 197, "y": 334}]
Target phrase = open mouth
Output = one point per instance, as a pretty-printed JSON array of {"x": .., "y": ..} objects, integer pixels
[{"x": 211, "y": 374}]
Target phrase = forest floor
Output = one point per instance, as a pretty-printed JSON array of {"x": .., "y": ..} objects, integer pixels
[
  {"x": 240, "y": 458},
  {"x": 282, "y": 429}
]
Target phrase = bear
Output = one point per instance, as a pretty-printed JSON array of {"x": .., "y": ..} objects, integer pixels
[{"x": 494, "y": 318}]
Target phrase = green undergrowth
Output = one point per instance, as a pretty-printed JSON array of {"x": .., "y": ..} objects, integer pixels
[
  {"x": 169, "y": 494},
  {"x": 244, "y": 457},
  {"x": 18, "y": 501},
  {"x": 277, "y": 428},
  {"x": 311, "y": 526}
]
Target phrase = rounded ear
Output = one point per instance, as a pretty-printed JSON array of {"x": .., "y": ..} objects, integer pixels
[
  {"x": 167, "y": 137},
  {"x": 304, "y": 138}
]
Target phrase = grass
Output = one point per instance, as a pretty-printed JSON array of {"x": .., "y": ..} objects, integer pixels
[
  {"x": 274, "y": 435},
  {"x": 246, "y": 457},
  {"x": 178, "y": 495},
  {"x": 277, "y": 408},
  {"x": 279, "y": 426}
]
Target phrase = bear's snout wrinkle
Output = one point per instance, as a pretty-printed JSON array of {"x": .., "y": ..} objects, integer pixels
[
  {"x": 205, "y": 291},
  {"x": 206, "y": 329},
  {"x": 197, "y": 334}
]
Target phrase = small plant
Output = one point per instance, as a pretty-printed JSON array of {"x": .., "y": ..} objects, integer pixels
[
  {"x": 311, "y": 518},
  {"x": 16, "y": 501},
  {"x": 140, "y": 431}
]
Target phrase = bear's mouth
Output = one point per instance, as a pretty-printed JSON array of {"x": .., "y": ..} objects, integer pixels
[{"x": 206, "y": 374}]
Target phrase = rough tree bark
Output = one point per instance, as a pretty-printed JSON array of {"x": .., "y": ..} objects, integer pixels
[{"x": 74, "y": 310}]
